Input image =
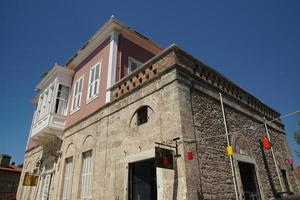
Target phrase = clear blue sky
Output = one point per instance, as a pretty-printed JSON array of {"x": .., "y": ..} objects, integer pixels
[{"x": 254, "y": 43}]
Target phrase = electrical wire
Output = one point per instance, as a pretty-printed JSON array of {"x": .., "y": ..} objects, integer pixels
[{"x": 251, "y": 127}]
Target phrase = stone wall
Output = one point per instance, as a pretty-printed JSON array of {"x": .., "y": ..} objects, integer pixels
[
  {"x": 215, "y": 171},
  {"x": 29, "y": 166},
  {"x": 9, "y": 181},
  {"x": 116, "y": 141}
]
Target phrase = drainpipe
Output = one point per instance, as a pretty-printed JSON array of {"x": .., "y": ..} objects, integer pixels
[
  {"x": 228, "y": 144},
  {"x": 275, "y": 162}
]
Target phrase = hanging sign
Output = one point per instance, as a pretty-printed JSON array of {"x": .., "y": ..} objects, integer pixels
[
  {"x": 30, "y": 180},
  {"x": 164, "y": 158}
]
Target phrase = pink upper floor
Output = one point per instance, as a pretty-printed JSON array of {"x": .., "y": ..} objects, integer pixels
[{"x": 126, "y": 48}]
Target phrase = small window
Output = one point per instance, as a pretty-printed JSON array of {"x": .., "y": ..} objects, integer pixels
[
  {"x": 133, "y": 64},
  {"x": 142, "y": 115},
  {"x": 94, "y": 82},
  {"x": 77, "y": 93}
]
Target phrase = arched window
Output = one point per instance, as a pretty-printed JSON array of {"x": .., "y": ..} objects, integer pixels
[{"x": 142, "y": 115}]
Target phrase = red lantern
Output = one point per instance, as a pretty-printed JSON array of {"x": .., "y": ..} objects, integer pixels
[
  {"x": 290, "y": 161},
  {"x": 190, "y": 155},
  {"x": 266, "y": 143},
  {"x": 166, "y": 161}
]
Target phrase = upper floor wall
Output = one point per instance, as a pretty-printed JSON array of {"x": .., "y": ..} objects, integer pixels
[
  {"x": 111, "y": 54},
  {"x": 81, "y": 104},
  {"x": 129, "y": 51},
  {"x": 103, "y": 62}
]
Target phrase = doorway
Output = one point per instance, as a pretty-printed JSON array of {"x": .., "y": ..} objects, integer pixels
[
  {"x": 142, "y": 180},
  {"x": 249, "y": 181},
  {"x": 285, "y": 180}
]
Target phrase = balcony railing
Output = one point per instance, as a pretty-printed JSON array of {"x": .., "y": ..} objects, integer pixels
[{"x": 51, "y": 124}]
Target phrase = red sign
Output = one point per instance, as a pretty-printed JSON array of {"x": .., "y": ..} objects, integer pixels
[{"x": 190, "y": 155}]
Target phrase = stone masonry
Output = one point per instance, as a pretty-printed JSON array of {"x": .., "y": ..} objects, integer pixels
[{"x": 183, "y": 99}]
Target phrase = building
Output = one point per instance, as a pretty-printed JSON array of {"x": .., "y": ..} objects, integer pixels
[
  {"x": 9, "y": 177},
  {"x": 99, "y": 118}
]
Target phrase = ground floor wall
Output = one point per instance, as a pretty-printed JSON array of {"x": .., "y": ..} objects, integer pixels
[
  {"x": 115, "y": 140},
  {"x": 246, "y": 130},
  {"x": 94, "y": 158},
  {"x": 40, "y": 162},
  {"x": 31, "y": 159}
]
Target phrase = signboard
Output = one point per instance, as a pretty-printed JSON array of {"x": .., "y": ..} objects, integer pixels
[
  {"x": 30, "y": 180},
  {"x": 164, "y": 158}
]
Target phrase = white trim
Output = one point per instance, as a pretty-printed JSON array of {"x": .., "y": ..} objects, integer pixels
[
  {"x": 81, "y": 78},
  {"x": 130, "y": 60},
  {"x": 112, "y": 61},
  {"x": 95, "y": 81},
  {"x": 144, "y": 155}
]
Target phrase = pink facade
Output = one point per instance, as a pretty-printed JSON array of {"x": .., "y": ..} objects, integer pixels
[
  {"x": 127, "y": 48},
  {"x": 30, "y": 144},
  {"x": 128, "y": 43},
  {"x": 101, "y": 54}
]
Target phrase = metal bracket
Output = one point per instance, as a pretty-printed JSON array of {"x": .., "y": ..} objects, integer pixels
[{"x": 174, "y": 147}]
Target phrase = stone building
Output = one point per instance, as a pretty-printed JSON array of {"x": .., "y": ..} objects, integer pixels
[
  {"x": 9, "y": 177},
  {"x": 100, "y": 116}
]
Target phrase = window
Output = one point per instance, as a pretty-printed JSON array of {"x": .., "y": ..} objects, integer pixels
[
  {"x": 38, "y": 110},
  {"x": 44, "y": 103},
  {"x": 142, "y": 115},
  {"x": 62, "y": 100},
  {"x": 94, "y": 82},
  {"x": 133, "y": 64},
  {"x": 86, "y": 175},
  {"x": 46, "y": 188},
  {"x": 77, "y": 94},
  {"x": 67, "y": 179},
  {"x": 49, "y": 98}
]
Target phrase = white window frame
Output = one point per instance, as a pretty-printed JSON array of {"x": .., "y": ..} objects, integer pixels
[
  {"x": 63, "y": 103},
  {"x": 130, "y": 61},
  {"x": 77, "y": 96},
  {"x": 46, "y": 187},
  {"x": 94, "y": 82},
  {"x": 86, "y": 175},
  {"x": 67, "y": 180}
]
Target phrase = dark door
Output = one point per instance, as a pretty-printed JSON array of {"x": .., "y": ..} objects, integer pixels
[
  {"x": 286, "y": 183},
  {"x": 249, "y": 181},
  {"x": 142, "y": 180}
]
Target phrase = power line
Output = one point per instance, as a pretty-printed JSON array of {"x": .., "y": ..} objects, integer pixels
[{"x": 251, "y": 127}]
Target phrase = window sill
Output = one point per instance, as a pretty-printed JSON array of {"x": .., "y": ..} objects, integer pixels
[
  {"x": 92, "y": 99},
  {"x": 75, "y": 110}
]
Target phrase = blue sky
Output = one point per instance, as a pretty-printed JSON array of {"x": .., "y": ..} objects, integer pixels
[{"x": 254, "y": 43}]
